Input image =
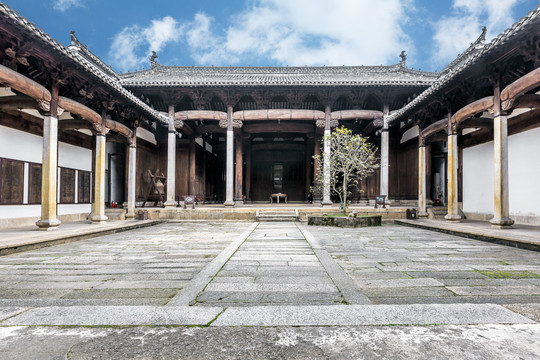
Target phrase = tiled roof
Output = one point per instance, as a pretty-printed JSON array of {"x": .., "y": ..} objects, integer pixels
[
  {"x": 247, "y": 76},
  {"x": 472, "y": 55},
  {"x": 80, "y": 56}
]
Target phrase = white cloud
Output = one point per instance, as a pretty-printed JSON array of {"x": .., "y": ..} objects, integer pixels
[
  {"x": 299, "y": 32},
  {"x": 126, "y": 49},
  {"x": 307, "y": 32},
  {"x": 63, "y": 5},
  {"x": 454, "y": 33},
  {"x": 161, "y": 32}
]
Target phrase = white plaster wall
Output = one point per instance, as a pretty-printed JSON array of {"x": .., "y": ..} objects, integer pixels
[
  {"x": 523, "y": 176},
  {"x": 478, "y": 178},
  {"x": 19, "y": 211},
  {"x": 66, "y": 209},
  {"x": 524, "y": 173},
  {"x": 19, "y": 145},
  {"x": 74, "y": 157}
]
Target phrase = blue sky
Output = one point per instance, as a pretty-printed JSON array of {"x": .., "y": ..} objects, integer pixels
[{"x": 274, "y": 32}]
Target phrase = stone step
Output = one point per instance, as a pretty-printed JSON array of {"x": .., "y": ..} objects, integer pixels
[
  {"x": 115, "y": 214},
  {"x": 277, "y": 215}
]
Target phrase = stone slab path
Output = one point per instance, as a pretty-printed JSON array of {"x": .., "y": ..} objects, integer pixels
[{"x": 274, "y": 265}]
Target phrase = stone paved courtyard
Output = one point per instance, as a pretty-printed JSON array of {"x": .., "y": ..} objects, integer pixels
[
  {"x": 270, "y": 290},
  {"x": 274, "y": 265}
]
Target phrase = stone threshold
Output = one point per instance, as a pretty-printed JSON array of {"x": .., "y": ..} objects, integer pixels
[
  {"x": 517, "y": 238},
  {"x": 326, "y": 315}
]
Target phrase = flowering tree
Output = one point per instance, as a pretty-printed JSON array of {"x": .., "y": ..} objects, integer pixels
[{"x": 352, "y": 158}]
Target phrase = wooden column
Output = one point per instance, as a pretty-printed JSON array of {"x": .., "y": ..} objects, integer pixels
[
  {"x": 49, "y": 170},
  {"x": 203, "y": 180},
  {"x": 326, "y": 162},
  {"x": 452, "y": 174},
  {"x": 238, "y": 195},
  {"x": 501, "y": 214},
  {"x": 309, "y": 159},
  {"x": 132, "y": 172},
  {"x": 171, "y": 161},
  {"x": 229, "y": 186},
  {"x": 192, "y": 166},
  {"x": 98, "y": 216},
  {"x": 248, "y": 169}
]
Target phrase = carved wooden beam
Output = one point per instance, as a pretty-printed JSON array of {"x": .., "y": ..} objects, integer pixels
[
  {"x": 120, "y": 128},
  {"x": 372, "y": 126},
  {"x": 472, "y": 109},
  {"x": 356, "y": 114},
  {"x": 200, "y": 115},
  {"x": 520, "y": 86},
  {"x": 77, "y": 108},
  {"x": 23, "y": 84},
  {"x": 433, "y": 129},
  {"x": 278, "y": 114}
]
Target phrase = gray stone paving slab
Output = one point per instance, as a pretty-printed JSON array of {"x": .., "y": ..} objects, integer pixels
[
  {"x": 120, "y": 293},
  {"x": 369, "y": 315},
  {"x": 423, "y": 291},
  {"x": 346, "y": 286},
  {"x": 243, "y": 287},
  {"x": 397, "y": 283},
  {"x": 495, "y": 290},
  {"x": 189, "y": 293},
  {"x": 313, "y": 343},
  {"x": 532, "y": 311},
  {"x": 115, "y": 315},
  {"x": 9, "y": 311}
]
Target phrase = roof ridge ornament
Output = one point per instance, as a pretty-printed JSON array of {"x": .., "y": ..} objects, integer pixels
[
  {"x": 153, "y": 57},
  {"x": 403, "y": 57}
]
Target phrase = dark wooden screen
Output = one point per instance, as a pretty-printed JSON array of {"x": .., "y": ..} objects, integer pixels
[
  {"x": 34, "y": 184},
  {"x": 84, "y": 187},
  {"x": 67, "y": 186},
  {"x": 11, "y": 181}
]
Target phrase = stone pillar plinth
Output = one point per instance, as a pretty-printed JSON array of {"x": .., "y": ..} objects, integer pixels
[
  {"x": 171, "y": 161},
  {"x": 98, "y": 216}
]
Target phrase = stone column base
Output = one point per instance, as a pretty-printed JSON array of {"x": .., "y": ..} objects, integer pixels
[
  {"x": 228, "y": 203},
  {"x": 170, "y": 203},
  {"x": 326, "y": 203},
  {"x": 130, "y": 216},
  {"x": 452, "y": 218},
  {"x": 421, "y": 214},
  {"x": 98, "y": 219},
  {"x": 502, "y": 223},
  {"x": 48, "y": 224}
]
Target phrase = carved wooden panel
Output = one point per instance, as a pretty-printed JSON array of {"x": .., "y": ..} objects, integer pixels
[
  {"x": 84, "y": 187},
  {"x": 67, "y": 186},
  {"x": 34, "y": 183},
  {"x": 11, "y": 181}
]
